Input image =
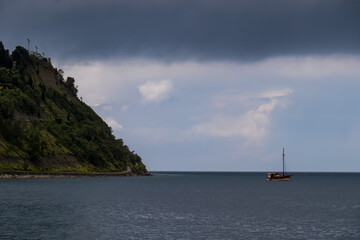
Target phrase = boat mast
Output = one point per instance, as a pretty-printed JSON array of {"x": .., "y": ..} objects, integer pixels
[{"x": 283, "y": 161}]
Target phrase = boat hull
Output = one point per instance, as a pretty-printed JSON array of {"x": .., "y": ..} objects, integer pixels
[{"x": 279, "y": 179}]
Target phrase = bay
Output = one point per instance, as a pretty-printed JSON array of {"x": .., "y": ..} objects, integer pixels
[{"x": 182, "y": 205}]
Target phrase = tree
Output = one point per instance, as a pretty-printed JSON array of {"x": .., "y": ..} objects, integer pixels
[
  {"x": 60, "y": 75},
  {"x": 6, "y": 107},
  {"x": 21, "y": 56},
  {"x": 70, "y": 85},
  {"x": 5, "y": 60}
]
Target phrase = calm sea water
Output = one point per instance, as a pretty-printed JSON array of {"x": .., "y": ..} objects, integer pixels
[{"x": 182, "y": 206}]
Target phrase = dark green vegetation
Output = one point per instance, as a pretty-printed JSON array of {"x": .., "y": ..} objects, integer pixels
[{"x": 45, "y": 127}]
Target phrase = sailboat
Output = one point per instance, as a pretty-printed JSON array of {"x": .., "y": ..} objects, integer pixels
[{"x": 279, "y": 176}]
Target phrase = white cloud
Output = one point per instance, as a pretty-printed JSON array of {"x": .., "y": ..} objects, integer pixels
[
  {"x": 248, "y": 99},
  {"x": 153, "y": 91},
  {"x": 252, "y": 125},
  {"x": 107, "y": 81},
  {"x": 276, "y": 93},
  {"x": 113, "y": 124}
]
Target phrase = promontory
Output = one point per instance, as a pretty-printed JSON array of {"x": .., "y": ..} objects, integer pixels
[{"x": 46, "y": 129}]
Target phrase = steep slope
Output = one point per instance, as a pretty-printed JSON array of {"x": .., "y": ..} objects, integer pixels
[{"x": 45, "y": 127}]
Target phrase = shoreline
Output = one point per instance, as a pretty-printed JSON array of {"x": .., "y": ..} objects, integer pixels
[{"x": 18, "y": 175}]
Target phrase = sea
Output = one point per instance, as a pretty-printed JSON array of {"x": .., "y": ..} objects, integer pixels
[{"x": 182, "y": 205}]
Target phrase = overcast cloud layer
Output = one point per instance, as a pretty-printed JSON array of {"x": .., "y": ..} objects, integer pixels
[{"x": 176, "y": 30}]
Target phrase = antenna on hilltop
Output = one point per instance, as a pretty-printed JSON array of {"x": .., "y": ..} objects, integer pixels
[
  {"x": 36, "y": 48},
  {"x": 28, "y": 40}
]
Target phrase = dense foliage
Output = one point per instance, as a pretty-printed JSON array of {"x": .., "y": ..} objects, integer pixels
[{"x": 44, "y": 126}]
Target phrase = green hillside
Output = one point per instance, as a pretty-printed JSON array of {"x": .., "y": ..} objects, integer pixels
[{"x": 45, "y": 127}]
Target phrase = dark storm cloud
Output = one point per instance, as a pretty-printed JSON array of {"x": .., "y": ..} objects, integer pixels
[{"x": 172, "y": 29}]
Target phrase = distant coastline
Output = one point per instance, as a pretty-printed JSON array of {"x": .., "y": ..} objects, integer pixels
[{"x": 20, "y": 174}]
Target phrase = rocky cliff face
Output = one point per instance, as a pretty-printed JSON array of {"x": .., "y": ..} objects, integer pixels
[{"x": 45, "y": 127}]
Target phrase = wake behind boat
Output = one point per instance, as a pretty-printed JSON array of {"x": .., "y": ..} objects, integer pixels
[{"x": 279, "y": 176}]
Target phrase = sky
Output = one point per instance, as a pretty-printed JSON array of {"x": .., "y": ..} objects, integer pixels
[{"x": 210, "y": 85}]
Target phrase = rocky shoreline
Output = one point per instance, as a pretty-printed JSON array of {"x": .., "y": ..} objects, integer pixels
[{"x": 9, "y": 175}]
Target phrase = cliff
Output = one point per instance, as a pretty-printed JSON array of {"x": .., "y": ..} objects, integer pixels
[{"x": 44, "y": 127}]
